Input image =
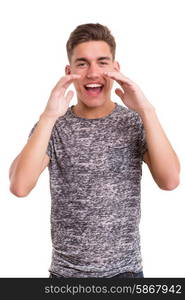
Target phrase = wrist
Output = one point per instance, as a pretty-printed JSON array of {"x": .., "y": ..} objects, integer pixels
[
  {"x": 47, "y": 118},
  {"x": 145, "y": 111}
]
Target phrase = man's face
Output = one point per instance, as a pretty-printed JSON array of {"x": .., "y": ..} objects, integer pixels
[{"x": 90, "y": 60}]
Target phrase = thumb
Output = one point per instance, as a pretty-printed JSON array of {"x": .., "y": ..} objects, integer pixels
[
  {"x": 69, "y": 96},
  {"x": 119, "y": 93}
]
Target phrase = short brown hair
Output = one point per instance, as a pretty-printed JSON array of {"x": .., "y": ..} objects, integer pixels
[{"x": 90, "y": 32}]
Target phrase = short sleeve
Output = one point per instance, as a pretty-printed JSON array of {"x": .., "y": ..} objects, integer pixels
[
  {"x": 49, "y": 150},
  {"x": 141, "y": 136}
]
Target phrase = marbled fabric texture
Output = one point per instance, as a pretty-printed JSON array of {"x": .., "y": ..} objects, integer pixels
[{"x": 95, "y": 173}]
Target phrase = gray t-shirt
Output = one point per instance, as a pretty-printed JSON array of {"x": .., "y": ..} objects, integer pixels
[{"x": 95, "y": 172}]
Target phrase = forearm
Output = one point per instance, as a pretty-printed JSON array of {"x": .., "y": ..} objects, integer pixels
[
  {"x": 160, "y": 157},
  {"x": 32, "y": 160},
  {"x": 26, "y": 168},
  {"x": 164, "y": 162}
]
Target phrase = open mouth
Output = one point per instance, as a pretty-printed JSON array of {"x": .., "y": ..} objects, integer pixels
[{"x": 94, "y": 89}]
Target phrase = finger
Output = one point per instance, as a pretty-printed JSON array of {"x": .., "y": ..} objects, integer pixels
[
  {"x": 64, "y": 82},
  {"x": 69, "y": 96},
  {"x": 119, "y": 93},
  {"x": 119, "y": 77},
  {"x": 67, "y": 81}
]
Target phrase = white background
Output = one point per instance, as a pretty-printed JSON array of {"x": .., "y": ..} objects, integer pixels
[{"x": 150, "y": 48}]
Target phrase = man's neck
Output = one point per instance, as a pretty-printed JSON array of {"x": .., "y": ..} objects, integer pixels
[{"x": 87, "y": 112}]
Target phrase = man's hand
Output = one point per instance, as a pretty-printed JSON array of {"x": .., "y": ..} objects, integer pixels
[
  {"x": 58, "y": 103},
  {"x": 131, "y": 94}
]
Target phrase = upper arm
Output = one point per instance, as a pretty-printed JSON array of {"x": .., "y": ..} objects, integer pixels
[
  {"x": 13, "y": 165},
  {"x": 146, "y": 159},
  {"x": 45, "y": 162}
]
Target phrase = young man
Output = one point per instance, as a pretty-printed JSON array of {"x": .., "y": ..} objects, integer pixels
[{"x": 94, "y": 151}]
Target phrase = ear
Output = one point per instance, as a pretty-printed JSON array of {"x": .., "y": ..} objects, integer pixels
[
  {"x": 116, "y": 66},
  {"x": 68, "y": 70}
]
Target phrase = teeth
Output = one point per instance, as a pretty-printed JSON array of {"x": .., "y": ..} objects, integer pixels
[{"x": 93, "y": 85}]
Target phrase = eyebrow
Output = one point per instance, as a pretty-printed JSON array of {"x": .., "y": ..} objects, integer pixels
[
  {"x": 104, "y": 58},
  {"x": 86, "y": 60}
]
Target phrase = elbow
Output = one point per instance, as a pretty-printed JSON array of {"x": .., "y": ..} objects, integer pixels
[
  {"x": 170, "y": 185},
  {"x": 18, "y": 192}
]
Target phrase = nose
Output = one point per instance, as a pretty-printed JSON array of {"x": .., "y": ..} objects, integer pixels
[{"x": 93, "y": 72}]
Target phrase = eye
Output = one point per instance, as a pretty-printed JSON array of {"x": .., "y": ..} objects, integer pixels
[
  {"x": 103, "y": 64},
  {"x": 81, "y": 64}
]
